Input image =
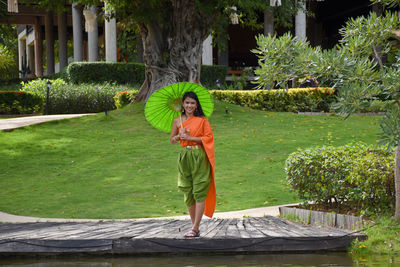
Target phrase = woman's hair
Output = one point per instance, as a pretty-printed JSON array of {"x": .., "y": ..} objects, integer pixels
[{"x": 199, "y": 111}]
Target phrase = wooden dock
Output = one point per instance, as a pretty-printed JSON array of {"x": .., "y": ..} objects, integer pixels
[{"x": 247, "y": 235}]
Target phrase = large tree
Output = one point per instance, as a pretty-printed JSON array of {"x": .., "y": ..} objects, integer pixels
[
  {"x": 388, "y": 83},
  {"x": 391, "y": 122},
  {"x": 173, "y": 31}
]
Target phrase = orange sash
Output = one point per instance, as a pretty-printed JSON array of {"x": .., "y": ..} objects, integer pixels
[{"x": 200, "y": 127}]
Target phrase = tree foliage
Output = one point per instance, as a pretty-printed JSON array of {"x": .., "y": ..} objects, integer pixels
[
  {"x": 369, "y": 36},
  {"x": 387, "y": 3},
  {"x": 8, "y": 66},
  {"x": 8, "y": 52}
]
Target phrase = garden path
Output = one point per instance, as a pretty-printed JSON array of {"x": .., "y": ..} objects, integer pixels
[{"x": 14, "y": 123}]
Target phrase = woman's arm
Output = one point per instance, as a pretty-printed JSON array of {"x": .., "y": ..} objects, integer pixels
[
  {"x": 174, "y": 137},
  {"x": 186, "y": 136}
]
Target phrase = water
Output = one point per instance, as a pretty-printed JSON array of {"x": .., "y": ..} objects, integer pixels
[{"x": 330, "y": 259}]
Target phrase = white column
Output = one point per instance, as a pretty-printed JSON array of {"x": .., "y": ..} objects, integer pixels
[
  {"x": 21, "y": 54},
  {"x": 300, "y": 23},
  {"x": 207, "y": 56},
  {"x": 111, "y": 38},
  {"x": 93, "y": 34},
  {"x": 268, "y": 22},
  {"x": 77, "y": 32}
]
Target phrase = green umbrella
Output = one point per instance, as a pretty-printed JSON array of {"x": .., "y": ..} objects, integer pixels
[{"x": 166, "y": 104}]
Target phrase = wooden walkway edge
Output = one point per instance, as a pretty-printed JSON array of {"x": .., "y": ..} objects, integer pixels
[{"x": 246, "y": 235}]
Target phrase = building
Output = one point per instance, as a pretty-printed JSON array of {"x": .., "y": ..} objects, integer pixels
[
  {"x": 80, "y": 27},
  {"x": 73, "y": 23}
]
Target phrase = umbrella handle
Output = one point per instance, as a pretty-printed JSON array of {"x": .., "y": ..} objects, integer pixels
[{"x": 180, "y": 119}]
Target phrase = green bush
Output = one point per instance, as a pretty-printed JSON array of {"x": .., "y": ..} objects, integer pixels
[
  {"x": 128, "y": 73},
  {"x": 100, "y": 72},
  {"x": 123, "y": 98},
  {"x": 71, "y": 99},
  {"x": 62, "y": 74},
  {"x": 292, "y": 100},
  {"x": 19, "y": 102},
  {"x": 355, "y": 174}
]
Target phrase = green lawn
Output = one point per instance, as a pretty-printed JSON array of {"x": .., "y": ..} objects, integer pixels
[{"x": 119, "y": 166}]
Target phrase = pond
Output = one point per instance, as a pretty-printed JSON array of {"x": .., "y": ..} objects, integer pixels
[{"x": 329, "y": 259}]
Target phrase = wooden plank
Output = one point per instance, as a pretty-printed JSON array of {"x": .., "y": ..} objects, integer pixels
[
  {"x": 241, "y": 229},
  {"x": 206, "y": 229},
  {"x": 232, "y": 230},
  {"x": 155, "y": 229},
  {"x": 292, "y": 228},
  {"x": 279, "y": 228},
  {"x": 252, "y": 231},
  {"x": 218, "y": 229}
]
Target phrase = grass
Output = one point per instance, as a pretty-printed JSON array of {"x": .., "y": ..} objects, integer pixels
[
  {"x": 119, "y": 166},
  {"x": 383, "y": 238}
]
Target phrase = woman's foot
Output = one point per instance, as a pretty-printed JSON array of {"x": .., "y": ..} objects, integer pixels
[{"x": 193, "y": 233}]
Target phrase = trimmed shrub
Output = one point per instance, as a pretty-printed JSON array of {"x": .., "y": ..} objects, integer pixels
[
  {"x": 62, "y": 74},
  {"x": 128, "y": 73},
  {"x": 292, "y": 100},
  {"x": 100, "y": 72},
  {"x": 71, "y": 99},
  {"x": 359, "y": 175},
  {"x": 123, "y": 98},
  {"x": 19, "y": 102}
]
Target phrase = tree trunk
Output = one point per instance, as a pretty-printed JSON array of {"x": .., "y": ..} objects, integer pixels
[
  {"x": 154, "y": 39},
  {"x": 397, "y": 183},
  {"x": 173, "y": 54}
]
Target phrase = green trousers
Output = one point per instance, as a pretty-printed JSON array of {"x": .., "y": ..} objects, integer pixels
[{"x": 194, "y": 175}]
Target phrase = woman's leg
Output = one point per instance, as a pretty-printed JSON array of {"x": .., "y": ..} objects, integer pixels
[
  {"x": 192, "y": 212},
  {"x": 198, "y": 212}
]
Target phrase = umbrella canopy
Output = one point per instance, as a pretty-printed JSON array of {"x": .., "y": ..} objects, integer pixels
[{"x": 165, "y": 105}]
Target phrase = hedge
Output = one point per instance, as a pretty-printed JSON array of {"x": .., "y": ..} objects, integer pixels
[
  {"x": 19, "y": 102},
  {"x": 292, "y": 100},
  {"x": 128, "y": 73},
  {"x": 357, "y": 175},
  {"x": 71, "y": 98},
  {"x": 100, "y": 72}
]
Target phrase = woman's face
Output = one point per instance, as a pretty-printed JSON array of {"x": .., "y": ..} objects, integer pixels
[{"x": 189, "y": 105}]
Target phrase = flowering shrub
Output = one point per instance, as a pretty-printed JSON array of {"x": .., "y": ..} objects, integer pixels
[
  {"x": 293, "y": 100},
  {"x": 355, "y": 174},
  {"x": 19, "y": 102},
  {"x": 123, "y": 98},
  {"x": 70, "y": 98}
]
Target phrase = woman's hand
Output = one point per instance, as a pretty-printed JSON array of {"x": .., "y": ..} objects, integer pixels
[{"x": 184, "y": 134}]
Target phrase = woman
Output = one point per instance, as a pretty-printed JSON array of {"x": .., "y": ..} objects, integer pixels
[{"x": 196, "y": 161}]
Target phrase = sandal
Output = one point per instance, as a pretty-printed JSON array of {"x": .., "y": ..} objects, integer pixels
[{"x": 192, "y": 233}]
